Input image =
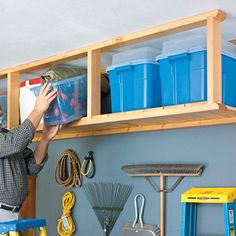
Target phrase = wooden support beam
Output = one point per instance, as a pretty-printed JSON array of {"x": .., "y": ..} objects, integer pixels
[
  {"x": 47, "y": 62},
  {"x": 94, "y": 84},
  {"x": 110, "y": 125},
  {"x": 13, "y": 80},
  {"x": 214, "y": 64}
]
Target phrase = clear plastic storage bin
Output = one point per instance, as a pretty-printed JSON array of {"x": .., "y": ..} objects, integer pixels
[
  {"x": 134, "y": 80},
  {"x": 70, "y": 103},
  {"x": 183, "y": 71}
]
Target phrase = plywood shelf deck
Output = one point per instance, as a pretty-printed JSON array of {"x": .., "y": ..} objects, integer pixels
[{"x": 171, "y": 117}]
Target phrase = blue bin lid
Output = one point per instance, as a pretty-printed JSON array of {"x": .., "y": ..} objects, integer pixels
[
  {"x": 192, "y": 50},
  {"x": 132, "y": 63},
  {"x": 191, "y": 45}
]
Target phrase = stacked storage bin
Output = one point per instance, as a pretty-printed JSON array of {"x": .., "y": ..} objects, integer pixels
[
  {"x": 70, "y": 103},
  {"x": 183, "y": 71},
  {"x": 134, "y": 80},
  {"x": 27, "y": 97}
]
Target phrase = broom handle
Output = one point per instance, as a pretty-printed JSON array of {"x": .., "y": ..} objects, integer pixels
[{"x": 162, "y": 205}]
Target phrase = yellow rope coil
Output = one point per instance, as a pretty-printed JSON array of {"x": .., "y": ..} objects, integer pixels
[
  {"x": 66, "y": 226},
  {"x": 74, "y": 177}
]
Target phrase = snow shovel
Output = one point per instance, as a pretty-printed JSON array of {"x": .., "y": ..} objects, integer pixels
[{"x": 139, "y": 229}]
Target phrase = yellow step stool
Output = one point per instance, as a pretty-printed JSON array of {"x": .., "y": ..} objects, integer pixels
[
  {"x": 13, "y": 228},
  {"x": 194, "y": 196}
]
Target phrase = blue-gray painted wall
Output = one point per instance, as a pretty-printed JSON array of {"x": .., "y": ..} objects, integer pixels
[{"x": 215, "y": 147}]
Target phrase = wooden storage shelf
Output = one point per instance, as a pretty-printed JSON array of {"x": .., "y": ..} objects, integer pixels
[
  {"x": 211, "y": 112},
  {"x": 171, "y": 117}
]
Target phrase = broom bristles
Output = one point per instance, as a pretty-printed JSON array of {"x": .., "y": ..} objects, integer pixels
[{"x": 163, "y": 169}]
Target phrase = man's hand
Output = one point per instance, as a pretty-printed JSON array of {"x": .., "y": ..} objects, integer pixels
[
  {"x": 42, "y": 103},
  {"x": 44, "y": 98},
  {"x": 49, "y": 132}
]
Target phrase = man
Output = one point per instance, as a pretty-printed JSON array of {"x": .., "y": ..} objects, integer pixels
[{"x": 17, "y": 161}]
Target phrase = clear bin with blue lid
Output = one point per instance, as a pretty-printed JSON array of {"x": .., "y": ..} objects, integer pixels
[
  {"x": 70, "y": 103},
  {"x": 134, "y": 80},
  {"x": 183, "y": 71}
]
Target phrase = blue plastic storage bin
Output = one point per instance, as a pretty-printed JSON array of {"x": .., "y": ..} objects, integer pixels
[
  {"x": 70, "y": 103},
  {"x": 183, "y": 72},
  {"x": 134, "y": 80},
  {"x": 3, "y": 113}
]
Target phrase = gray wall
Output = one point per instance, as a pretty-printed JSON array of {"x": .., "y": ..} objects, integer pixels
[{"x": 212, "y": 146}]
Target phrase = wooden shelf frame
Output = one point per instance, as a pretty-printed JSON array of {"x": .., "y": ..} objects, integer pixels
[
  {"x": 211, "y": 112},
  {"x": 163, "y": 118}
]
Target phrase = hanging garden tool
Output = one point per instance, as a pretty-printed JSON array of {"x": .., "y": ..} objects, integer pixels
[
  {"x": 163, "y": 171},
  {"x": 139, "y": 229},
  {"x": 88, "y": 166},
  {"x": 107, "y": 201}
]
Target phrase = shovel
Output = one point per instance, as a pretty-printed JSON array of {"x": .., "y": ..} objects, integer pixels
[{"x": 139, "y": 229}]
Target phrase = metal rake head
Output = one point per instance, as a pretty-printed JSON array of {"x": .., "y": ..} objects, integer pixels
[{"x": 107, "y": 201}]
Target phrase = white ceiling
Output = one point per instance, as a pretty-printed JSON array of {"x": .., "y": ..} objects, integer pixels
[{"x": 32, "y": 29}]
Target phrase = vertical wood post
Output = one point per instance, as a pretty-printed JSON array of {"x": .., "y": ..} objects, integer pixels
[
  {"x": 94, "y": 84},
  {"x": 13, "y": 80},
  {"x": 214, "y": 65},
  {"x": 28, "y": 210}
]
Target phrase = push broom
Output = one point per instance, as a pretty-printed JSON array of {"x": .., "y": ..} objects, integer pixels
[{"x": 163, "y": 171}]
